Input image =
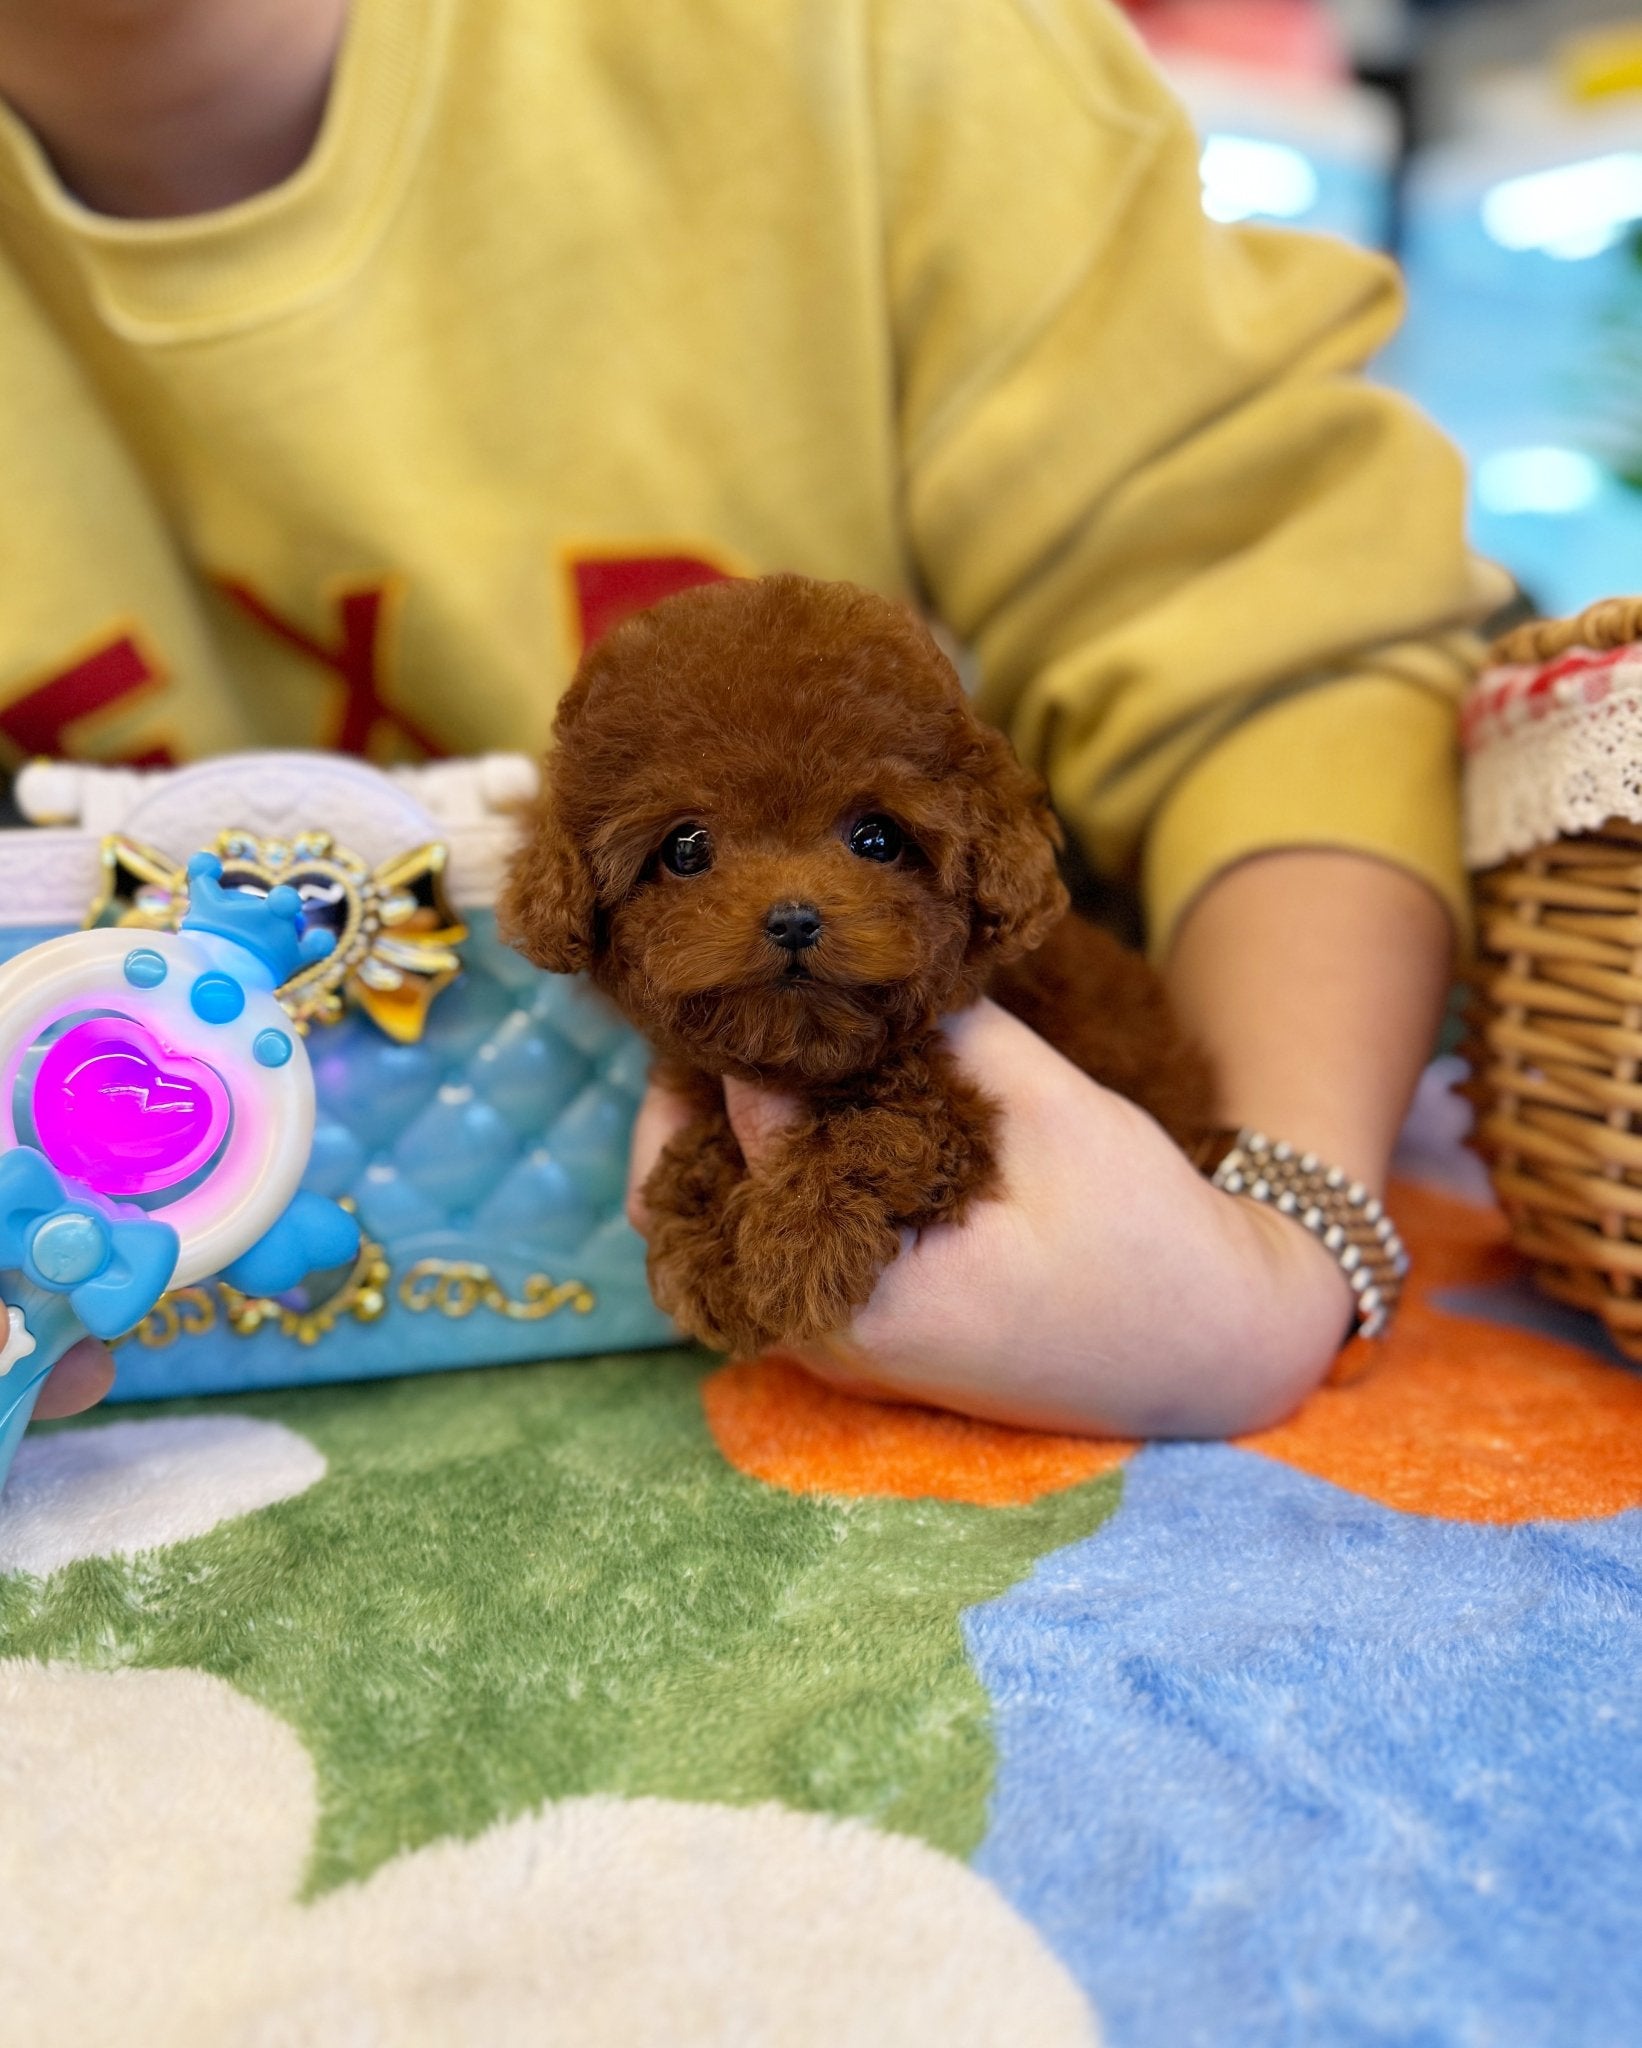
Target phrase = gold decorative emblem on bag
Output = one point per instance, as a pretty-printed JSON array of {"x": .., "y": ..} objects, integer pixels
[{"x": 396, "y": 934}]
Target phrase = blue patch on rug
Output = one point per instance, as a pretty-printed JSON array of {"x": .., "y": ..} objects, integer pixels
[{"x": 1280, "y": 1765}]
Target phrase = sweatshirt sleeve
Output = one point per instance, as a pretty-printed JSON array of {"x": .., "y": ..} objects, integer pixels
[{"x": 1215, "y": 581}]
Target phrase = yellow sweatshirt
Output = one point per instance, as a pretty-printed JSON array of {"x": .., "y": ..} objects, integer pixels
[{"x": 578, "y": 300}]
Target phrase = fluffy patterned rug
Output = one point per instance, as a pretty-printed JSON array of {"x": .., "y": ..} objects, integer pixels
[{"x": 645, "y": 1701}]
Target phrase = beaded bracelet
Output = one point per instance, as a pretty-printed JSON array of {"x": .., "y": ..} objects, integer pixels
[{"x": 1340, "y": 1213}]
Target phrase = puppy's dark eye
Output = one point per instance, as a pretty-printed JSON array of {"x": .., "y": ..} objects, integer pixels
[
  {"x": 687, "y": 850},
  {"x": 877, "y": 838}
]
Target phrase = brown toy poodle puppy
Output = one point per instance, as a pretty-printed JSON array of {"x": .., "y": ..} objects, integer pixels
[{"x": 774, "y": 832}]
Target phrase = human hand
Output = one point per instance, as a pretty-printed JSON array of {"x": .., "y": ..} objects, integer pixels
[
  {"x": 1110, "y": 1290},
  {"x": 79, "y": 1379}
]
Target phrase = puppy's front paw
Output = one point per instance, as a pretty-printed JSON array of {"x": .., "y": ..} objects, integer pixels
[
  {"x": 692, "y": 1281},
  {"x": 690, "y": 1257},
  {"x": 799, "y": 1276}
]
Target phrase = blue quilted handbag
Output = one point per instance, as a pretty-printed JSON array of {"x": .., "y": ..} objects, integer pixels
[{"x": 474, "y": 1111}]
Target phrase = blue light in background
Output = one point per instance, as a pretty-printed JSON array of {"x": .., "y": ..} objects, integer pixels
[
  {"x": 1537, "y": 480},
  {"x": 1288, "y": 184},
  {"x": 1524, "y": 340},
  {"x": 1247, "y": 179},
  {"x": 1571, "y": 211}
]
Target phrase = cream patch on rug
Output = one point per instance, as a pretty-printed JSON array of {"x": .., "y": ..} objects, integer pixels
[
  {"x": 123, "y": 1487},
  {"x": 156, "y": 1832}
]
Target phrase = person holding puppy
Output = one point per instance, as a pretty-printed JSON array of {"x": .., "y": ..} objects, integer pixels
[{"x": 358, "y": 358}]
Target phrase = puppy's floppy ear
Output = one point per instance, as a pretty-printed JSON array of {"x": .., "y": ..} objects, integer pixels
[
  {"x": 1018, "y": 895},
  {"x": 548, "y": 906}
]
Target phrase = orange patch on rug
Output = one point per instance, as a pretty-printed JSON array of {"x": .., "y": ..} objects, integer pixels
[
  {"x": 1468, "y": 1420},
  {"x": 776, "y": 1422}
]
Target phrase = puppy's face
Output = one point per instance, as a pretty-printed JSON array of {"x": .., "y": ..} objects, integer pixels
[
  {"x": 788, "y": 922},
  {"x": 776, "y": 833}
]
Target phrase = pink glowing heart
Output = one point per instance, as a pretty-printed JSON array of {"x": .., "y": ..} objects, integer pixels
[{"x": 115, "y": 1109}]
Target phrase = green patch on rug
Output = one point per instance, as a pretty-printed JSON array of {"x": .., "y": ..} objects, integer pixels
[{"x": 527, "y": 1584}]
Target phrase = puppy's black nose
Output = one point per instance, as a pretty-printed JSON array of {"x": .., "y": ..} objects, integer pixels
[{"x": 796, "y": 926}]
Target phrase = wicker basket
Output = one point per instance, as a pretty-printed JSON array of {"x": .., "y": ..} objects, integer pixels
[{"x": 1554, "y": 757}]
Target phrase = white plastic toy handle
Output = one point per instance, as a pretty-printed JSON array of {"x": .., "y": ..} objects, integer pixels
[{"x": 156, "y": 1118}]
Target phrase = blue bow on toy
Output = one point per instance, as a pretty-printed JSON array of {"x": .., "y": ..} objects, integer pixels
[
  {"x": 113, "y": 1263},
  {"x": 311, "y": 1236}
]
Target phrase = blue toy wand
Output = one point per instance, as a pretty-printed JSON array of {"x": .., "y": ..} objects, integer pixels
[{"x": 156, "y": 1116}]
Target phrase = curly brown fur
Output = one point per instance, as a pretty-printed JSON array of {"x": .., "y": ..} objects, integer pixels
[
  {"x": 1103, "y": 1006},
  {"x": 783, "y": 718}
]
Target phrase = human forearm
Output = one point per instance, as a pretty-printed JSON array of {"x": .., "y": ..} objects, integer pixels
[
  {"x": 1316, "y": 981},
  {"x": 151, "y": 108}
]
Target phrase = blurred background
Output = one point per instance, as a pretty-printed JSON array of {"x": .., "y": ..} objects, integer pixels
[{"x": 1494, "y": 147}]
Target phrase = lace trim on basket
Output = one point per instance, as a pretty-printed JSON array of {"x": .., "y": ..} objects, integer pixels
[{"x": 1563, "y": 767}]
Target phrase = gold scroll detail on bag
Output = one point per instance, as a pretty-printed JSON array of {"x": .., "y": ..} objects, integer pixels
[
  {"x": 397, "y": 937},
  {"x": 196, "y": 1311},
  {"x": 456, "y": 1287},
  {"x": 453, "y": 1288}
]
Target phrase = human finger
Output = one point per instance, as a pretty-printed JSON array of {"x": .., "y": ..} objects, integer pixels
[
  {"x": 79, "y": 1380},
  {"x": 662, "y": 1115},
  {"x": 758, "y": 1116}
]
